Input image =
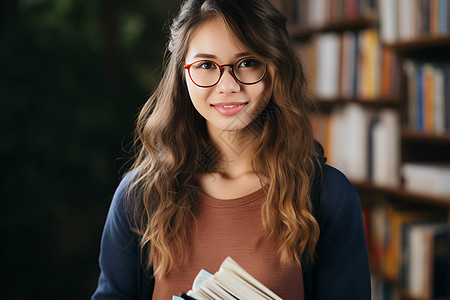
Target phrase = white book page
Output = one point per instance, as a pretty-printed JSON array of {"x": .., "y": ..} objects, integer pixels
[
  {"x": 218, "y": 289},
  {"x": 230, "y": 264},
  {"x": 238, "y": 287}
]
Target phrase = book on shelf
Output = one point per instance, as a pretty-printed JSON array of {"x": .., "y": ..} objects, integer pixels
[
  {"x": 354, "y": 142},
  {"x": 427, "y": 265},
  {"x": 384, "y": 148},
  {"x": 370, "y": 62},
  {"x": 231, "y": 282},
  {"x": 388, "y": 24},
  {"x": 328, "y": 65},
  {"x": 428, "y": 178},
  {"x": 349, "y": 65},
  {"x": 396, "y": 247},
  {"x": 428, "y": 105},
  {"x": 361, "y": 143},
  {"x": 375, "y": 225},
  {"x": 381, "y": 289}
]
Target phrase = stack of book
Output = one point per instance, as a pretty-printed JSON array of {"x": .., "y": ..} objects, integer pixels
[{"x": 231, "y": 282}]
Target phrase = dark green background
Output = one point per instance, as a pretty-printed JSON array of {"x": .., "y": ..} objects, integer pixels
[{"x": 73, "y": 74}]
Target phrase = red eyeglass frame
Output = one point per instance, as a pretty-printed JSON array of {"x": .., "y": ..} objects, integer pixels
[{"x": 222, "y": 69}]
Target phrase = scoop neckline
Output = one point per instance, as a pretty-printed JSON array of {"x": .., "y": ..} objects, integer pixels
[{"x": 239, "y": 201}]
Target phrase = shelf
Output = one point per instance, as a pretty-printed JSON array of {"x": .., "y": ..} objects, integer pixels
[
  {"x": 402, "y": 194},
  {"x": 421, "y": 43},
  {"x": 376, "y": 103},
  {"x": 423, "y": 137},
  {"x": 300, "y": 32}
]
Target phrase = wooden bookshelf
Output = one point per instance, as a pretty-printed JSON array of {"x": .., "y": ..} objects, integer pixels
[{"x": 414, "y": 146}]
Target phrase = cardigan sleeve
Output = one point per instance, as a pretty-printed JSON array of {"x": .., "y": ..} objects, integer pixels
[
  {"x": 120, "y": 271},
  {"x": 341, "y": 268}
]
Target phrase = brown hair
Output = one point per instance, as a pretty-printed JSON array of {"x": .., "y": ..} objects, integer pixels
[{"x": 174, "y": 145}]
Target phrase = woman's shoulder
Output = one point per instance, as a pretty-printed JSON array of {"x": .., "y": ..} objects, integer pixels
[
  {"x": 122, "y": 200},
  {"x": 336, "y": 192},
  {"x": 126, "y": 183},
  {"x": 334, "y": 180},
  {"x": 331, "y": 183}
]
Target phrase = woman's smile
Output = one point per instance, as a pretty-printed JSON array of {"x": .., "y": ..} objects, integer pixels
[{"x": 229, "y": 108}]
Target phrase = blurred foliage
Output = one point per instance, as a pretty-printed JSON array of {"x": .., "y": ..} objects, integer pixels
[{"x": 73, "y": 74}]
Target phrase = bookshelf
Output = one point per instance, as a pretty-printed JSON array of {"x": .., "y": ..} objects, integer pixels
[{"x": 399, "y": 50}]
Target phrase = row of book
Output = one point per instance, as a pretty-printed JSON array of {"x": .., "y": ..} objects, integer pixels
[
  {"x": 349, "y": 65},
  {"x": 405, "y": 19},
  {"x": 316, "y": 13},
  {"x": 365, "y": 144},
  {"x": 428, "y": 91},
  {"x": 410, "y": 247},
  {"x": 361, "y": 142}
]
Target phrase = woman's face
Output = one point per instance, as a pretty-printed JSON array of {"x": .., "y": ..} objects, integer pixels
[{"x": 229, "y": 105}]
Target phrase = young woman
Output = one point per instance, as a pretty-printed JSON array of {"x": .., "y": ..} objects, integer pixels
[{"x": 227, "y": 166}]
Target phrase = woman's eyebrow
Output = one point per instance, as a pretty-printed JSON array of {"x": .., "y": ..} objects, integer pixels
[
  {"x": 204, "y": 55},
  {"x": 242, "y": 54},
  {"x": 211, "y": 56}
]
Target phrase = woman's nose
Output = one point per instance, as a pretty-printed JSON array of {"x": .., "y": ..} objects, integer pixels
[{"x": 227, "y": 83}]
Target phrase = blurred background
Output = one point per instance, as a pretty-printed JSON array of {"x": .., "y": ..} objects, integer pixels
[{"x": 73, "y": 75}]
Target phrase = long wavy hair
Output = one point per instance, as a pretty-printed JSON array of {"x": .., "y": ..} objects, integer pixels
[{"x": 174, "y": 147}]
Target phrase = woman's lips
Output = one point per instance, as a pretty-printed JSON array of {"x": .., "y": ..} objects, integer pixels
[{"x": 229, "y": 108}]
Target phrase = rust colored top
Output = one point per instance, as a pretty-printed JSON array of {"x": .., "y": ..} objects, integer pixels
[{"x": 232, "y": 227}]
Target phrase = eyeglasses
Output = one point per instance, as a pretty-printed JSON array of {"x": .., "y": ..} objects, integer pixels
[{"x": 206, "y": 73}]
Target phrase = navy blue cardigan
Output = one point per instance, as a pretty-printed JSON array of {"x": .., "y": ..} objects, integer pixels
[{"x": 340, "y": 270}]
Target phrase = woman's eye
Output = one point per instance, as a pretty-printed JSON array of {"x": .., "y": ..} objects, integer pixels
[
  {"x": 246, "y": 63},
  {"x": 207, "y": 65}
]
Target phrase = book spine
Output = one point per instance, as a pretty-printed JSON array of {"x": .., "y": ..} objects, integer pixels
[
  {"x": 441, "y": 265},
  {"x": 447, "y": 97},
  {"x": 439, "y": 100},
  {"x": 388, "y": 20},
  {"x": 327, "y": 82},
  {"x": 443, "y": 17},
  {"x": 428, "y": 98},
  {"x": 419, "y": 105}
]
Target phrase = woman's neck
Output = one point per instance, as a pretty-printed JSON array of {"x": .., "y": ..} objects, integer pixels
[
  {"x": 237, "y": 150},
  {"x": 235, "y": 176}
]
